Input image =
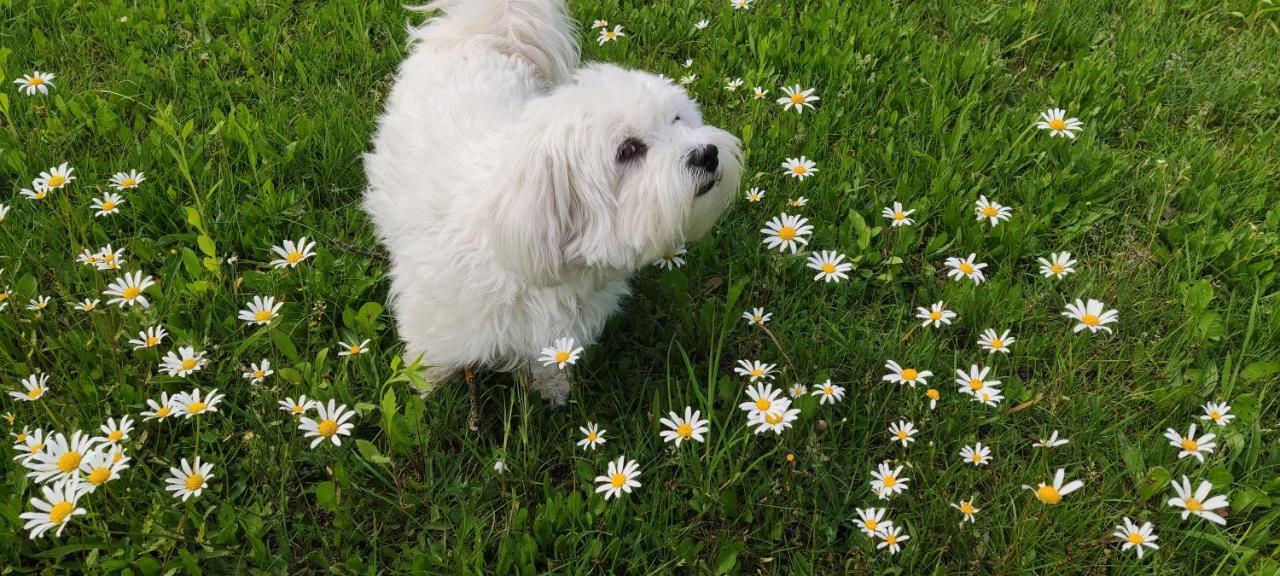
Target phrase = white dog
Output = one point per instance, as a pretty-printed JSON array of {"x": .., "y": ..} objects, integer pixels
[{"x": 516, "y": 192}]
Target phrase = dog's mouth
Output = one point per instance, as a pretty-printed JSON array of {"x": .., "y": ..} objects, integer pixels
[{"x": 707, "y": 186}]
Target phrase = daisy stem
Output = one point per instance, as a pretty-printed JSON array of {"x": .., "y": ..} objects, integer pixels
[{"x": 792, "y": 365}]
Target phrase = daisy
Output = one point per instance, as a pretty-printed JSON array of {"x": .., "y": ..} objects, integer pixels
[
  {"x": 126, "y": 180},
  {"x": 599, "y": 24},
  {"x": 1052, "y": 494},
  {"x": 100, "y": 467},
  {"x": 828, "y": 393},
  {"x": 797, "y": 390},
  {"x": 188, "y": 404},
  {"x": 330, "y": 423},
  {"x": 935, "y": 315},
  {"x": 108, "y": 204},
  {"x": 893, "y": 538},
  {"x": 61, "y": 457},
  {"x": 933, "y": 395},
  {"x": 32, "y": 83},
  {"x": 190, "y": 480},
  {"x": 1092, "y": 315},
  {"x": 261, "y": 310},
  {"x": 607, "y": 35},
  {"x": 1136, "y": 537},
  {"x": 1056, "y": 122},
  {"x": 592, "y": 436},
  {"x": 757, "y": 316},
  {"x": 297, "y": 407},
  {"x": 688, "y": 79},
  {"x": 59, "y": 505},
  {"x": 688, "y": 428},
  {"x": 151, "y": 337},
  {"x": 28, "y": 444},
  {"x": 966, "y": 268},
  {"x": 797, "y": 98},
  {"x": 1218, "y": 412},
  {"x": 888, "y": 481},
  {"x": 755, "y": 370},
  {"x": 291, "y": 254},
  {"x": 975, "y": 380},
  {"x": 966, "y": 508},
  {"x": 989, "y": 397},
  {"x": 741, "y": 4},
  {"x": 1058, "y": 264},
  {"x": 159, "y": 410},
  {"x": 909, "y": 376},
  {"x": 672, "y": 260},
  {"x": 992, "y": 211},
  {"x": 620, "y": 479},
  {"x": 1199, "y": 502},
  {"x": 1051, "y": 442},
  {"x": 127, "y": 290},
  {"x": 182, "y": 363},
  {"x": 500, "y": 467},
  {"x": 759, "y": 93},
  {"x": 903, "y": 432},
  {"x": 978, "y": 455},
  {"x": 872, "y": 520},
  {"x": 799, "y": 167},
  {"x": 4, "y": 211},
  {"x": 1190, "y": 444},
  {"x": 258, "y": 372},
  {"x": 732, "y": 85},
  {"x": 36, "y": 385},
  {"x": 798, "y": 201},
  {"x": 777, "y": 420},
  {"x": 688, "y": 62},
  {"x": 113, "y": 432},
  {"x": 897, "y": 216},
  {"x": 995, "y": 343},
  {"x": 39, "y": 303},
  {"x": 701, "y": 24},
  {"x": 564, "y": 352},
  {"x": 755, "y": 195},
  {"x": 830, "y": 266},
  {"x": 108, "y": 258},
  {"x": 786, "y": 232},
  {"x": 764, "y": 399},
  {"x": 54, "y": 178},
  {"x": 88, "y": 304},
  {"x": 40, "y": 193},
  {"x": 353, "y": 349}
]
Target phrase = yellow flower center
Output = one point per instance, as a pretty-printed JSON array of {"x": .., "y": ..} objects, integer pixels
[
  {"x": 117, "y": 456},
  {"x": 889, "y": 481},
  {"x": 1058, "y": 124},
  {"x": 899, "y": 216},
  {"x": 935, "y": 315},
  {"x": 99, "y": 475},
  {"x": 4, "y": 296},
  {"x": 890, "y": 539},
  {"x": 108, "y": 206},
  {"x": 618, "y": 480},
  {"x": 35, "y": 81},
  {"x": 57, "y": 180},
  {"x": 828, "y": 268},
  {"x": 262, "y": 316},
  {"x": 196, "y": 407},
  {"x": 189, "y": 363},
  {"x": 976, "y": 457},
  {"x": 592, "y": 437},
  {"x": 932, "y": 394},
  {"x": 162, "y": 412},
  {"x": 69, "y": 461},
  {"x": 910, "y": 373},
  {"x": 989, "y": 211},
  {"x": 763, "y": 404},
  {"x": 1136, "y": 538},
  {"x": 259, "y": 374},
  {"x": 786, "y": 233},
  {"x": 355, "y": 349},
  {"x": 966, "y": 508},
  {"x": 757, "y": 373},
  {"x": 1057, "y": 268},
  {"x": 828, "y": 390},
  {"x": 115, "y": 435},
  {"x": 128, "y": 183},
  {"x": 1048, "y": 494},
  {"x": 966, "y": 267},
  {"x": 21, "y": 437},
  {"x": 562, "y": 357},
  {"x": 1215, "y": 415},
  {"x": 293, "y": 257},
  {"x": 773, "y": 418},
  {"x": 797, "y": 98},
  {"x": 1194, "y": 505},
  {"x": 131, "y": 292},
  {"x": 684, "y": 430},
  {"x": 902, "y": 435},
  {"x": 195, "y": 482},
  {"x": 871, "y": 524},
  {"x": 327, "y": 427},
  {"x": 35, "y": 393},
  {"x": 297, "y": 409},
  {"x": 36, "y": 448},
  {"x": 152, "y": 340},
  {"x": 997, "y": 343},
  {"x": 1090, "y": 320},
  {"x": 800, "y": 169},
  {"x": 1190, "y": 445},
  {"x": 60, "y": 511},
  {"x": 975, "y": 384}
]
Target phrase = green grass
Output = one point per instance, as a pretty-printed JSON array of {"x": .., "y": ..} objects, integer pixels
[{"x": 249, "y": 119}]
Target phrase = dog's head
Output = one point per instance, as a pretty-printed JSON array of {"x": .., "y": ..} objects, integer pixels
[{"x": 610, "y": 171}]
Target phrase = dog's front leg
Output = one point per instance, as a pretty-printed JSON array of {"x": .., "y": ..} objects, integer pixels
[{"x": 551, "y": 382}]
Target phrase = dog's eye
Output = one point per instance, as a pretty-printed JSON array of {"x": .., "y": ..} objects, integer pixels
[
  {"x": 631, "y": 149},
  {"x": 675, "y": 120}
]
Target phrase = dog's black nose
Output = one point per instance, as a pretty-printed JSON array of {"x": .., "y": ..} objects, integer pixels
[{"x": 706, "y": 158}]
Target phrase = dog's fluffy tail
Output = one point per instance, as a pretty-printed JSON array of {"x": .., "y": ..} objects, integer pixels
[{"x": 539, "y": 31}]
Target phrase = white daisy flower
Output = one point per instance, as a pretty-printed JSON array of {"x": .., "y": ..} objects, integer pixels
[
  {"x": 190, "y": 480},
  {"x": 872, "y": 520},
  {"x": 992, "y": 211},
  {"x": 764, "y": 399},
  {"x": 620, "y": 479},
  {"x": 1136, "y": 537},
  {"x": 329, "y": 424},
  {"x": 114, "y": 432},
  {"x": 672, "y": 260},
  {"x": 607, "y": 35},
  {"x": 261, "y": 310},
  {"x": 755, "y": 370},
  {"x": 909, "y": 376},
  {"x": 291, "y": 254},
  {"x": 1056, "y": 122},
  {"x": 599, "y": 24},
  {"x": 776, "y": 420},
  {"x": 688, "y": 79},
  {"x": 798, "y": 202},
  {"x": 757, "y": 316},
  {"x": 108, "y": 258},
  {"x": 741, "y": 4},
  {"x": 108, "y": 204},
  {"x": 159, "y": 410},
  {"x": 888, "y": 481},
  {"x": 126, "y": 180},
  {"x": 31, "y": 84},
  {"x": 688, "y": 62},
  {"x": 830, "y": 266},
  {"x": 35, "y": 385},
  {"x": 151, "y": 337},
  {"x": 1051, "y": 442},
  {"x": 38, "y": 303},
  {"x": 1199, "y": 503},
  {"x": 936, "y": 315},
  {"x": 800, "y": 168},
  {"x": 40, "y": 193},
  {"x": 690, "y": 427},
  {"x": 1058, "y": 265},
  {"x": 759, "y": 93},
  {"x": 828, "y": 393},
  {"x": 1092, "y": 315},
  {"x": 897, "y": 216},
  {"x": 797, "y": 98},
  {"x": 563, "y": 353},
  {"x": 4, "y": 212},
  {"x": 903, "y": 432},
  {"x": 188, "y": 404},
  {"x": 797, "y": 390},
  {"x": 966, "y": 268},
  {"x": 61, "y": 457},
  {"x": 786, "y": 232},
  {"x": 183, "y": 362},
  {"x": 978, "y": 455},
  {"x": 1052, "y": 494},
  {"x": 87, "y": 305},
  {"x": 733, "y": 84},
  {"x": 1218, "y": 412},
  {"x": 975, "y": 380},
  {"x": 127, "y": 290},
  {"x": 28, "y": 444},
  {"x": 989, "y": 397},
  {"x": 892, "y": 538},
  {"x": 933, "y": 395},
  {"x": 100, "y": 467},
  {"x": 592, "y": 436},
  {"x": 354, "y": 348},
  {"x": 992, "y": 342},
  {"x": 259, "y": 372},
  {"x": 1190, "y": 445},
  {"x": 55, "y": 177},
  {"x": 755, "y": 195},
  {"x": 967, "y": 510},
  {"x": 701, "y": 24},
  {"x": 297, "y": 407},
  {"x": 61, "y": 503}
]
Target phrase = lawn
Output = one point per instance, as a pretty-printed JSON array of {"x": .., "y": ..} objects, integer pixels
[{"x": 249, "y": 118}]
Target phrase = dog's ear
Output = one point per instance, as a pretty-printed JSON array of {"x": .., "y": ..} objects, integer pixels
[{"x": 533, "y": 215}]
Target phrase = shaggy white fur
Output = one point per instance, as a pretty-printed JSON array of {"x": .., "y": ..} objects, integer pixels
[{"x": 516, "y": 191}]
